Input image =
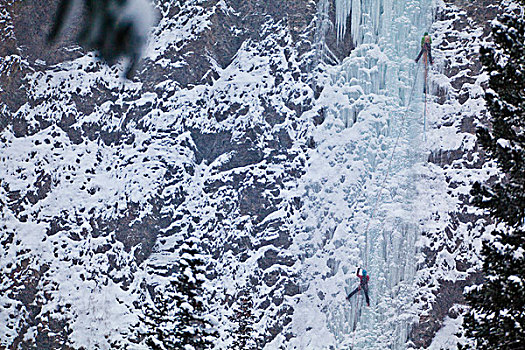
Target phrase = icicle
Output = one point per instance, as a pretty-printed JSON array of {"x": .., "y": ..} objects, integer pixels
[
  {"x": 373, "y": 88},
  {"x": 342, "y": 11}
]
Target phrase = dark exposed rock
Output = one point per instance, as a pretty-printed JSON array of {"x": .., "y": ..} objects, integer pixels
[
  {"x": 320, "y": 117},
  {"x": 338, "y": 47},
  {"x": 477, "y": 14},
  {"x": 210, "y": 146},
  {"x": 272, "y": 257},
  {"x": 445, "y": 157},
  {"x": 449, "y": 294},
  {"x": 282, "y": 240},
  {"x": 271, "y": 278}
]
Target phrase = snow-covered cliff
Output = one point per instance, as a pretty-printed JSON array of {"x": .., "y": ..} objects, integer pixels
[{"x": 287, "y": 136}]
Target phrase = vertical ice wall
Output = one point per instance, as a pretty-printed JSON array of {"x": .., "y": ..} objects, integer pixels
[
  {"x": 323, "y": 25},
  {"x": 360, "y": 200}
]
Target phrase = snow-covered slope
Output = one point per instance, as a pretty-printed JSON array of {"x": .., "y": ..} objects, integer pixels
[
  {"x": 248, "y": 128},
  {"x": 102, "y": 180}
]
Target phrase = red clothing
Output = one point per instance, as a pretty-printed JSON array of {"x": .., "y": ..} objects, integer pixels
[
  {"x": 361, "y": 277},
  {"x": 363, "y": 285}
]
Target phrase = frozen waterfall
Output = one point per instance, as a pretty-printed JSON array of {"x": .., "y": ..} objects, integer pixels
[{"x": 372, "y": 102}]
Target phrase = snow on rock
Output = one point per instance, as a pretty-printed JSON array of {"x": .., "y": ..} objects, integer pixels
[
  {"x": 447, "y": 337},
  {"x": 452, "y": 240},
  {"x": 279, "y": 168},
  {"x": 102, "y": 179}
]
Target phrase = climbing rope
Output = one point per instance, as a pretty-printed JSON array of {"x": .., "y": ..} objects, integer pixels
[
  {"x": 425, "y": 116},
  {"x": 387, "y": 174},
  {"x": 355, "y": 319},
  {"x": 425, "y": 89},
  {"x": 356, "y": 309}
]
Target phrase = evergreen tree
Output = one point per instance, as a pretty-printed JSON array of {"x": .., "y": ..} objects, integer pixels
[
  {"x": 175, "y": 319},
  {"x": 192, "y": 329},
  {"x": 159, "y": 320},
  {"x": 497, "y": 316},
  {"x": 243, "y": 335}
]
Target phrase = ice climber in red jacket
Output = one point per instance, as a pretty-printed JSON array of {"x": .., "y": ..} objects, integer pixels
[{"x": 362, "y": 285}]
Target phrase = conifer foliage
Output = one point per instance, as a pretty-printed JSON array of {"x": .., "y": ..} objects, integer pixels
[
  {"x": 243, "y": 335},
  {"x": 192, "y": 329},
  {"x": 176, "y": 319},
  {"x": 497, "y": 316},
  {"x": 159, "y": 320}
]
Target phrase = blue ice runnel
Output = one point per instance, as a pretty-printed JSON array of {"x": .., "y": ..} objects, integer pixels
[{"x": 366, "y": 102}]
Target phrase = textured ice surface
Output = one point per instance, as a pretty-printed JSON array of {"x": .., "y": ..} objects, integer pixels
[
  {"x": 406, "y": 202},
  {"x": 365, "y": 102},
  {"x": 373, "y": 104}
]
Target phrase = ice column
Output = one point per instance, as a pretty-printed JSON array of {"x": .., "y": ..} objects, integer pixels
[{"x": 374, "y": 96}]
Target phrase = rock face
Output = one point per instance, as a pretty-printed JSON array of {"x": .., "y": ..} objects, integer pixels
[
  {"x": 462, "y": 26},
  {"x": 115, "y": 175},
  {"x": 101, "y": 180}
]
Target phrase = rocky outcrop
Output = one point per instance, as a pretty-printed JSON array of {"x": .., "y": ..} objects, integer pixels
[
  {"x": 103, "y": 179},
  {"x": 461, "y": 27}
]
